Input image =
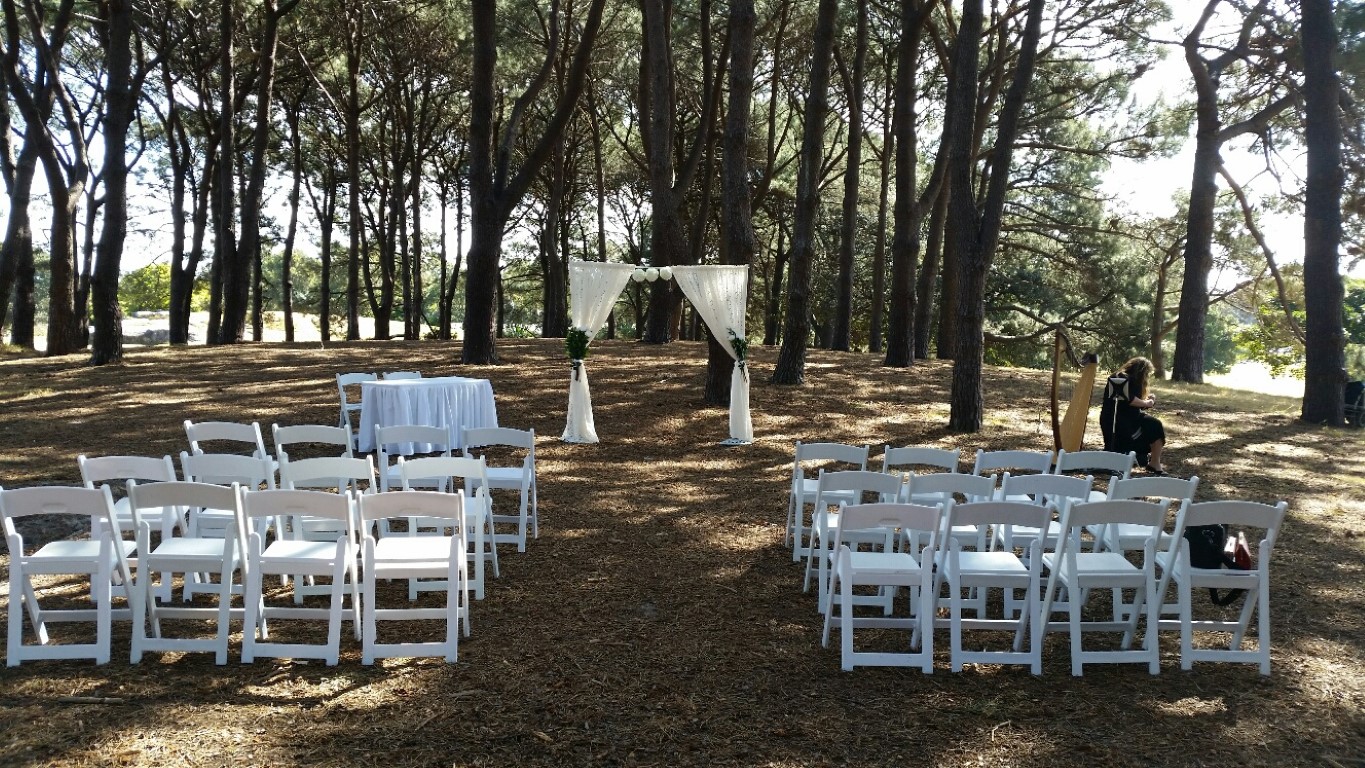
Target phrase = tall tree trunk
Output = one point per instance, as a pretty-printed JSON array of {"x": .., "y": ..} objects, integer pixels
[
  {"x": 295, "y": 190},
  {"x": 928, "y": 275},
  {"x": 791, "y": 360},
  {"x": 900, "y": 351},
  {"x": 231, "y": 264},
  {"x": 326, "y": 225},
  {"x": 1210, "y": 136},
  {"x": 737, "y": 234},
  {"x": 668, "y": 236},
  {"x": 494, "y": 189},
  {"x": 772, "y": 318},
  {"x": 33, "y": 97},
  {"x": 977, "y": 231},
  {"x": 1324, "y": 372},
  {"x": 355, "y": 35},
  {"x": 553, "y": 260},
  {"x": 119, "y": 100},
  {"x": 18, "y": 245},
  {"x": 875, "y": 340},
  {"x": 841, "y": 339}
]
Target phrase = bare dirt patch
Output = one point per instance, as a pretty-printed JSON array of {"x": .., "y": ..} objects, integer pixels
[{"x": 658, "y": 620}]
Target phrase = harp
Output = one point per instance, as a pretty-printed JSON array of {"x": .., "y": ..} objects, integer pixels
[{"x": 1068, "y": 431}]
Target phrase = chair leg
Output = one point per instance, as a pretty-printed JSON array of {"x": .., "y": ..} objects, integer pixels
[
  {"x": 1073, "y": 604},
  {"x": 224, "y": 614},
  {"x": 846, "y": 623},
  {"x": 955, "y": 623},
  {"x": 253, "y": 611},
  {"x": 1186, "y": 626},
  {"x": 102, "y": 592},
  {"x": 1263, "y": 621},
  {"x": 138, "y": 596},
  {"x": 369, "y": 634},
  {"x": 535, "y": 508}
]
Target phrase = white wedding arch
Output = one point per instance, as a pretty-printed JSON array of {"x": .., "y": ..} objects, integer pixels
[{"x": 719, "y": 293}]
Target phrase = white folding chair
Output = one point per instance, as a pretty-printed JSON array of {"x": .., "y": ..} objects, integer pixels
[
  {"x": 981, "y": 570},
  {"x": 405, "y": 440},
  {"x": 249, "y": 472},
  {"x": 882, "y": 569},
  {"x": 1080, "y": 572},
  {"x": 399, "y": 375},
  {"x": 1168, "y": 490},
  {"x": 943, "y": 487},
  {"x": 350, "y": 476},
  {"x": 110, "y": 470},
  {"x": 192, "y": 556},
  {"x": 833, "y": 489},
  {"x": 103, "y": 560},
  {"x": 914, "y": 460},
  {"x": 520, "y": 477},
  {"x": 317, "y": 440},
  {"x": 1014, "y": 462},
  {"x": 1116, "y": 466},
  {"x": 456, "y": 473},
  {"x": 288, "y": 557},
  {"x": 104, "y": 470},
  {"x": 803, "y": 488},
  {"x": 224, "y": 434},
  {"x": 1051, "y": 491},
  {"x": 350, "y": 405},
  {"x": 414, "y": 557},
  {"x": 1265, "y": 521}
]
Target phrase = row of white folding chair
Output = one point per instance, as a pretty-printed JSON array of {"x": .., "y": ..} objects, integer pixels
[
  {"x": 406, "y": 438},
  {"x": 935, "y": 560},
  {"x": 849, "y": 487},
  {"x": 895, "y": 460},
  {"x": 249, "y": 552},
  {"x": 245, "y": 553},
  {"x": 339, "y": 473},
  {"x": 980, "y": 570},
  {"x": 1073, "y": 572},
  {"x": 899, "y": 460}
]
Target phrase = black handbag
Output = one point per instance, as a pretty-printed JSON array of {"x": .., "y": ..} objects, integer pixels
[{"x": 1212, "y": 547}]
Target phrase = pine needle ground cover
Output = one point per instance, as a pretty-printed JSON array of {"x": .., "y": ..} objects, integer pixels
[{"x": 658, "y": 619}]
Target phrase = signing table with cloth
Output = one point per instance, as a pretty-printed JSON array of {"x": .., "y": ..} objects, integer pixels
[{"x": 450, "y": 402}]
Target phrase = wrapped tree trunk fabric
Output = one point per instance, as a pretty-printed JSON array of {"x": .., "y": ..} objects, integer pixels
[
  {"x": 720, "y": 295},
  {"x": 593, "y": 288}
]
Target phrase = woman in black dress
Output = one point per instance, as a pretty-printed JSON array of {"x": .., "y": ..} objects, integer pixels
[{"x": 1123, "y": 418}]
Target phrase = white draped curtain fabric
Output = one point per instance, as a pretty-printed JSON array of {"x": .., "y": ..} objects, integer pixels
[
  {"x": 593, "y": 288},
  {"x": 721, "y": 295}
]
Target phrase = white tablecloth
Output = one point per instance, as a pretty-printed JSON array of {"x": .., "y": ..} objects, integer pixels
[{"x": 451, "y": 402}]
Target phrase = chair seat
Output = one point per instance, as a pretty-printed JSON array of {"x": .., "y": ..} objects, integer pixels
[
  {"x": 883, "y": 562},
  {"x": 1096, "y": 565},
  {"x": 987, "y": 564},
  {"x": 60, "y": 554},
  {"x": 410, "y": 549},
  {"x": 181, "y": 549},
  {"x": 1134, "y": 536},
  {"x": 1029, "y": 533},
  {"x": 292, "y": 551},
  {"x": 505, "y": 477}
]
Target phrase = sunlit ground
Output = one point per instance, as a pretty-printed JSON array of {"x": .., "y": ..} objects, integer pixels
[{"x": 1256, "y": 377}]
